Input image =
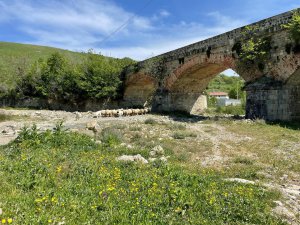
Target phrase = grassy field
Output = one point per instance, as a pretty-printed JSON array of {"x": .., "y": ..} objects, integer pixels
[
  {"x": 14, "y": 57},
  {"x": 60, "y": 177}
]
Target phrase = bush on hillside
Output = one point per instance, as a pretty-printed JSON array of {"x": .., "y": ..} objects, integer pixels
[{"x": 98, "y": 77}]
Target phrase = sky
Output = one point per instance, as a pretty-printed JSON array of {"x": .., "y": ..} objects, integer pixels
[{"x": 138, "y": 29}]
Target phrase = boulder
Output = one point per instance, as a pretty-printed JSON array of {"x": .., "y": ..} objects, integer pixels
[
  {"x": 132, "y": 158},
  {"x": 157, "y": 150},
  {"x": 239, "y": 180},
  {"x": 93, "y": 126},
  {"x": 163, "y": 159}
]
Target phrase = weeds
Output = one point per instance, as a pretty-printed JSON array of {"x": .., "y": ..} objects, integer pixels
[
  {"x": 111, "y": 137},
  {"x": 62, "y": 177},
  {"x": 135, "y": 128},
  {"x": 4, "y": 117},
  {"x": 150, "y": 121},
  {"x": 243, "y": 160},
  {"x": 183, "y": 135}
]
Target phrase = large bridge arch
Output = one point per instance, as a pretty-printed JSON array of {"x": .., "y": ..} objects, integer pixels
[{"x": 186, "y": 84}]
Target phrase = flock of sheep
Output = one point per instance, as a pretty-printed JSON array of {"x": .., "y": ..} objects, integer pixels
[{"x": 121, "y": 112}]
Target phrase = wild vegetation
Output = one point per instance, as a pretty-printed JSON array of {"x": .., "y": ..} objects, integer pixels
[
  {"x": 294, "y": 27},
  {"x": 58, "y": 77},
  {"x": 252, "y": 52},
  {"x": 95, "y": 78},
  {"x": 234, "y": 87},
  {"x": 58, "y": 177},
  {"x": 16, "y": 59}
]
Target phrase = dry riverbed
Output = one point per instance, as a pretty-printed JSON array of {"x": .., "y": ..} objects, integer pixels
[{"x": 248, "y": 151}]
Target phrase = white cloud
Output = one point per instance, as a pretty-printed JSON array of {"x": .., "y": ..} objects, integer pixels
[
  {"x": 101, "y": 16},
  {"x": 82, "y": 25},
  {"x": 161, "y": 15},
  {"x": 164, "y": 13}
]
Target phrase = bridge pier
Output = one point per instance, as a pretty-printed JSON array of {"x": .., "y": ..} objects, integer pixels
[
  {"x": 272, "y": 100},
  {"x": 192, "y": 103}
]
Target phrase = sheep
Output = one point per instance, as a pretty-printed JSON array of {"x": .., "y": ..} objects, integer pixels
[
  {"x": 142, "y": 111},
  {"x": 120, "y": 112},
  {"x": 129, "y": 112},
  {"x": 103, "y": 113},
  {"x": 135, "y": 112},
  {"x": 78, "y": 115},
  {"x": 98, "y": 114}
]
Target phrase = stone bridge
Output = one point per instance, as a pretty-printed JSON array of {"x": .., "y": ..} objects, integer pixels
[{"x": 176, "y": 80}]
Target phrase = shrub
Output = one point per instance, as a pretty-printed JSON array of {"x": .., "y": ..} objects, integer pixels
[
  {"x": 232, "y": 110},
  {"x": 4, "y": 117},
  {"x": 294, "y": 27},
  {"x": 111, "y": 137},
  {"x": 243, "y": 160},
  {"x": 183, "y": 135},
  {"x": 150, "y": 121},
  {"x": 97, "y": 77}
]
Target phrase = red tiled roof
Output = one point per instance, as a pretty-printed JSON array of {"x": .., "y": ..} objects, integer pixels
[{"x": 218, "y": 94}]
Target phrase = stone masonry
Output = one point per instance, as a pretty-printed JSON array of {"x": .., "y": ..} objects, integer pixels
[{"x": 175, "y": 81}]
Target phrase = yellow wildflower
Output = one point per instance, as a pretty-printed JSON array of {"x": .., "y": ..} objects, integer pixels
[
  {"x": 3, "y": 221},
  {"x": 54, "y": 200},
  {"x": 58, "y": 169},
  {"x": 9, "y": 220}
]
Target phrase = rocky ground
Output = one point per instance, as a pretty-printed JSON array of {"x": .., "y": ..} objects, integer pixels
[{"x": 247, "y": 151}]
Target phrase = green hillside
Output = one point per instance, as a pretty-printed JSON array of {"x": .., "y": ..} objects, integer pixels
[
  {"x": 51, "y": 73},
  {"x": 225, "y": 83},
  {"x": 15, "y": 57}
]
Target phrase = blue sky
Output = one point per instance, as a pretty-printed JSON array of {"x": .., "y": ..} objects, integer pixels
[{"x": 153, "y": 26}]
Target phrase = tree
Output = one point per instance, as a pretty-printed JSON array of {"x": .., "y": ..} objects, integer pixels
[
  {"x": 99, "y": 77},
  {"x": 294, "y": 27}
]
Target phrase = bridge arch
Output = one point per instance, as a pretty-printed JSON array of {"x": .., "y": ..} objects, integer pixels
[
  {"x": 139, "y": 89},
  {"x": 185, "y": 85}
]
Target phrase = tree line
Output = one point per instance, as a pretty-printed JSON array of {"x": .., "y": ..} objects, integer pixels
[{"x": 58, "y": 78}]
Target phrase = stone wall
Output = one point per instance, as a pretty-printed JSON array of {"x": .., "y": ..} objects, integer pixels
[
  {"x": 273, "y": 100},
  {"x": 38, "y": 103}
]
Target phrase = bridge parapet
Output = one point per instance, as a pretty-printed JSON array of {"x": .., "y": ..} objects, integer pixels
[{"x": 266, "y": 26}]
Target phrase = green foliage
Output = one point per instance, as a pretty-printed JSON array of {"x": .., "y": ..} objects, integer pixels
[
  {"x": 231, "y": 109},
  {"x": 184, "y": 134},
  {"x": 58, "y": 74},
  {"x": 224, "y": 83},
  {"x": 97, "y": 77},
  {"x": 254, "y": 50},
  {"x": 294, "y": 27},
  {"x": 59, "y": 177},
  {"x": 237, "y": 93},
  {"x": 111, "y": 137},
  {"x": 100, "y": 76},
  {"x": 16, "y": 59},
  {"x": 150, "y": 121},
  {"x": 232, "y": 85},
  {"x": 212, "y": 102},
  {"x": 4, "y": 117}
]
